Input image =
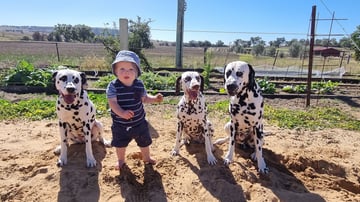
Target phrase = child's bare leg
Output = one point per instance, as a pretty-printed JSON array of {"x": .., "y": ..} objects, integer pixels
[
  {"x": 120, "y": 152},
  {"x": 145, "y": 151}
]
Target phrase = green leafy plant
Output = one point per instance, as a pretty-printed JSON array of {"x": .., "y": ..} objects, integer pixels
[
  {"x": 324, "y": 87},
  {"x": 266, "y": 86},
  {"x": 207, "y": 69},
  {"x": 104, "y": 81},
  {"x": 26, "y": 74},
  {"x": 313, "y": 118},
  {"x": 152, "y": 81},
  {"x": 39, "y": 108},
  {"x": 317, "y": 87},
  {"x": 33, "y": 109},
  {"x": 288, "y": 89}
]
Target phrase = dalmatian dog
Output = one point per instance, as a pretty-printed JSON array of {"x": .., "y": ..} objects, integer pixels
[
  {"x": 191, "y": 112},
  {"x": 246, "y": 112},
  {"x": 76, "y": 114}
]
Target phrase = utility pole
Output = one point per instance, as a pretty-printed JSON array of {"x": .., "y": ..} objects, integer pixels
[
  {"x": 180, "y": 33},
  {"x": 311, "y": 55}
]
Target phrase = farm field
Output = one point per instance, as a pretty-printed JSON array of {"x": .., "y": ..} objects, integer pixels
[
  {"x": 320, "y": 165},
  {"x": 94, "y": 57}
]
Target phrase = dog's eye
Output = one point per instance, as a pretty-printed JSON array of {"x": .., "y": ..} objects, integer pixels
[
  {"x": 197, "y": 78},
  {"x": 76, "y": 80},
  {"x": 239, "y": 74},
  {"x": 228, "y": 73},
  {"x": 188, "y": 78},
  {"x": 63, "y": 78}
]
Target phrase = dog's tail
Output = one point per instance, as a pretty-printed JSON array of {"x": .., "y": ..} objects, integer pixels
[
  {"x": 224, "y": 139},
  {"x": 98, "y": 131},
  {"x": 221, "y": 140}
]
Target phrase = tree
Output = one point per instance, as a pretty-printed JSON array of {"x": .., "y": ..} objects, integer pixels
[
  {"x": 83, "y": 33},
  {"x": 65, "y": 31},
  {"x": 219, "y": 43},
  {"x": 277, "y": 42},
  {"x": 36, "y": 36},
  {"x": 295, "y": 49},
  {"x": 258, "y": 45},
  {"x": 271, "y": 51},
  {"x": 139, "y": 38},
  {"x": 355, "y": 36},
  {"x": 239, "y": 45},
  {"x": 345, "y": 42}
]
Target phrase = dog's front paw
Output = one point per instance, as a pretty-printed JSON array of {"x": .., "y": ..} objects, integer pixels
[
  {"x": 211, "y": 160},
  {"x": 90, "y": 162},
  {"x": 107, "y": 143},
  {"x": 262, "y": 166},
  {"x": 264, "y": 170},
  {"x": 227, "y": 161},
  {"x": 57, "y": 150},
  {"x": 174, "y": 152},
  {"x": 253, "y": 156},
  {"x": 61, "y": 162}
]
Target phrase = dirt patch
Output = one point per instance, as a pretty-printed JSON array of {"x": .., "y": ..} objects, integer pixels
[{"x": 304, "y": 165}]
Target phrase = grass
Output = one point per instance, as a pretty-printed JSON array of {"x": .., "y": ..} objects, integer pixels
[{"x": 315, "y": 118}]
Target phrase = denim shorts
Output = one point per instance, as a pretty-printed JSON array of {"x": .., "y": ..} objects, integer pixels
[{"x": 122, "y": 135}]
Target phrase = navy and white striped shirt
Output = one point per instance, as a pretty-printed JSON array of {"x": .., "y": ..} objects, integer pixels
[{"x": 129, "y": 98}]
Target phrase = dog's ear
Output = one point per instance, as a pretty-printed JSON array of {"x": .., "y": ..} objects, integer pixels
[
  {"x": 201, "y": 84},
  {"x": 177, "y": 86},
  {"x": 224, "y": 74},
  {"x": 53, "y": 79},
  {"x": 252, "y": 81},
  {"x": 84, "y": 83}
]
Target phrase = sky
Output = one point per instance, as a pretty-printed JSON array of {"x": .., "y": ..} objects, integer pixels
[{"x": 211, "y": 20}]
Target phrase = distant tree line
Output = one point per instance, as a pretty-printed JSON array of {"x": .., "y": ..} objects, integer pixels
[
  {"x": 66, "y": 33},
  {"x": 140, "y": 38}
]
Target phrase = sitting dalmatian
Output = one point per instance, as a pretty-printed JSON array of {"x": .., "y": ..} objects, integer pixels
[
  {"x": 76, "y": 114},
  {"x": 246, "y": 112},
  {"x": 192, "y": 115}
]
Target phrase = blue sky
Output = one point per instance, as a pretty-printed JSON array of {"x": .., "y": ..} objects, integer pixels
[{"x": 212, "y": 20}]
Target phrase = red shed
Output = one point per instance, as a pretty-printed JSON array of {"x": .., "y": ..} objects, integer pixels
[{"x": 325, "y": 52}]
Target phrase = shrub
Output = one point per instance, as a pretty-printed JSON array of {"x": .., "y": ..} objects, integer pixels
[{"x": 152, "y": 81}]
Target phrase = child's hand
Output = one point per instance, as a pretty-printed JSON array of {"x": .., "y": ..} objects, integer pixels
[
  {"x": 159, "y": 97},
  {"x": 126, "y": 114}
]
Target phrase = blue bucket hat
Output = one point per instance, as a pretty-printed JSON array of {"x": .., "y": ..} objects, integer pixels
[{"x": 127, "y": 56}]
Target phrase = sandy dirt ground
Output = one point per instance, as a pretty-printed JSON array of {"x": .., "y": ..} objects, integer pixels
[{"x": 304, "y": 165}]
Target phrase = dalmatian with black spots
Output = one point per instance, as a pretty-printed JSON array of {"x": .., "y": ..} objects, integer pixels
[
  {"x": 76, "y": 114},
  {"x": 246, "y": 112},
  {"x": 192, "y": 122}
]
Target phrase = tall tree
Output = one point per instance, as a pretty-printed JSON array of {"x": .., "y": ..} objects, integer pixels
[
  {"x": 355, "y": 36},
  {"x": 139, "y": 38}
]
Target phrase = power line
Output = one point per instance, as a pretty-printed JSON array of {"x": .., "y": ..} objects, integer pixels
[
  {"x": 342, "y": 27},
  {"x": 232, "y": 32}
]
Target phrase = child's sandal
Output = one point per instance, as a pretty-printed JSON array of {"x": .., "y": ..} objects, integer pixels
[{"x": 150, "y": 162}]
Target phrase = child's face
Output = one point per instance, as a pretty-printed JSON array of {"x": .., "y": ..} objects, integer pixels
[{"x": 126, "y": 72}]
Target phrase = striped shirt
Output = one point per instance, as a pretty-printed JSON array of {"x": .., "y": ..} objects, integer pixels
[{"x": 128, "y": 98}]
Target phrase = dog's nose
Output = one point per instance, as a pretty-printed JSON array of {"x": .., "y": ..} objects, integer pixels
[
  {"x": 195, "y": 87},
  {"x": 231, "y": 87},
  {"x": 70, "y": 89}
]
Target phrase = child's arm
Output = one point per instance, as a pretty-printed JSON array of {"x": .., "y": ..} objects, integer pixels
[
  {"x": 115, "y": 107},
  {"x": 152, "y": 98}
]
